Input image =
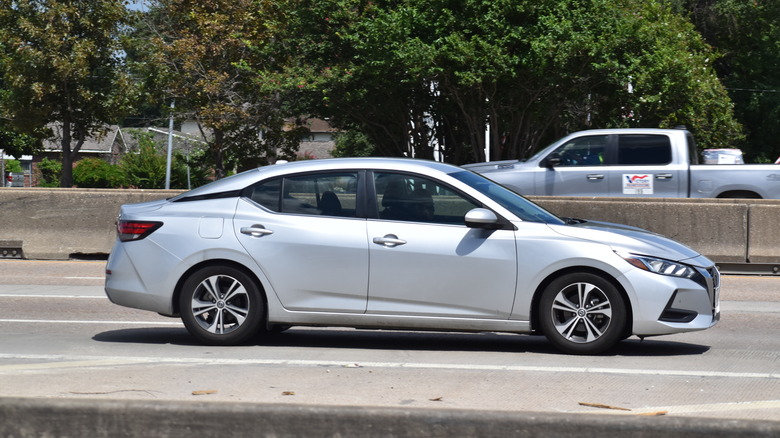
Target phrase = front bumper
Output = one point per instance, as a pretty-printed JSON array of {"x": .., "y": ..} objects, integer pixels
[{"x": 665, "y": 305}]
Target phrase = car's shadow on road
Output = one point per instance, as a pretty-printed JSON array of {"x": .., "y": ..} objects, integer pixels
[{"x": 401, "y": 340}]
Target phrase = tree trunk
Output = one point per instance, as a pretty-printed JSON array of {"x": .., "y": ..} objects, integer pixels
[
  {"x": 70, "y": 151},
  {"x": 66, "y": 176},
  {"x": 219, "y": 154}
]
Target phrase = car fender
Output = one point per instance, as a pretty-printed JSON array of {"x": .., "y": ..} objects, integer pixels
[
  {"x": 213, "y": 256},
  {"x": 561, "y": 254}
]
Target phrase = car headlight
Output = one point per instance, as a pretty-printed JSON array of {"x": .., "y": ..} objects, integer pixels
[{"x": 659, "y": 266}]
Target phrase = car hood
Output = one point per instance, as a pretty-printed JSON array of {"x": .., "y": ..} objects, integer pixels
[{"x": 624, "y": 238}]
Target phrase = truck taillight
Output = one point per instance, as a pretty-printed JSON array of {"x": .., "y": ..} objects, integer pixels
[{"x": 135, "y": 230}]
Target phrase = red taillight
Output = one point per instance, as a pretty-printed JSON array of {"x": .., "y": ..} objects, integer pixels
[{"x": 135, "y": 230}]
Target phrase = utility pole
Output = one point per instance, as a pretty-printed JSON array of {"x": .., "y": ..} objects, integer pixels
[{"x": 170, "y": 149}]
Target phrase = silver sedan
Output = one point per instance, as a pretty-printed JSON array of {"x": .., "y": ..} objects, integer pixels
[{"x": 399, "y": 244}]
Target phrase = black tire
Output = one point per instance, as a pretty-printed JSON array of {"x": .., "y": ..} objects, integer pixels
[
  {"x": 582, "y": 313},
  {"x": 274, "y": 329},
  {"x": 220, "y": 305}
]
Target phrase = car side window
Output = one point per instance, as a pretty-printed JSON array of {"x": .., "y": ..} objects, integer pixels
[
  {"x": 323, "y": 194},
  {"x": 582, "y": 151},
  {"x": 267, "y": 193},
  {"x": 644, "y": 149},
  {"x": 414, "y": 198}
]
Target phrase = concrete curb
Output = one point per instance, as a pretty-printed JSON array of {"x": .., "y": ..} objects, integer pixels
[{"x": 29, "y": 417}]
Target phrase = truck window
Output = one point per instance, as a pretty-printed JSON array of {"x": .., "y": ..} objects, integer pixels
[
  {"x": 644, "y": 149},
  {"x": 693, "y": 156},
  {"x": 582, "y": 151}
]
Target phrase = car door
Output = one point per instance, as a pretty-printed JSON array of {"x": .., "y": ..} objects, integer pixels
[
  {"x": 304, "y": 233},
  {"x": 645, "y": 167},
  {"x": 426, "y": 261},
  {"x": 576, "y": 168}
]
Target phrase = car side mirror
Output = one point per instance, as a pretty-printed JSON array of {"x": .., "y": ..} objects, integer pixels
[
  {"x": 552, "y": 161},
  {"x": 482, "y": 218}
]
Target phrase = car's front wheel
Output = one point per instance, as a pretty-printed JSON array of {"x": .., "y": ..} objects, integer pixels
[
  {"x": 582, "y": 313},
  {"x": 221, "y": 305}
]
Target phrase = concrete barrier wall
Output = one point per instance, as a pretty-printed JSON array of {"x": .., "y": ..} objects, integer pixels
[
  {"x": 28, "y": 418},
  {"x": 64, "y": 223},
  {"x": 61, "y": 223}
]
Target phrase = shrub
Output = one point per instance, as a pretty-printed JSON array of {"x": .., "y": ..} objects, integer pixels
[
  {"x": 97, "y": 173},
  {"x": 49, "y": 173}
]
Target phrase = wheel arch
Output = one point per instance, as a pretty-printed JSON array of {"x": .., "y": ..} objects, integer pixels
[
  {"x": 217, "y": 262},
  {"x": 580, "y": 269},
  {"x": 739, "y": 194}
]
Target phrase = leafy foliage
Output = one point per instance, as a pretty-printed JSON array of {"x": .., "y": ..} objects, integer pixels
[
  {"x": 12, "y": 166},
  {"x": 146, "y": 167},
  {"x": 97, "y": 173},
  {"x": 16, "y": 144},
  {"x": 62, "y": 69},
  {"x": 746, "y": 33},
  {"x": 49, "y": 173},
  {"x": 400, "y": 77},
  {"x": 204, "y": 50},
  {"x": 416, "y": 75},
  {"x": 353, "y": 144}
]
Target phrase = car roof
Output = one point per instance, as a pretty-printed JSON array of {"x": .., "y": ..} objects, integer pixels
[{"x": 242, "y": 180}]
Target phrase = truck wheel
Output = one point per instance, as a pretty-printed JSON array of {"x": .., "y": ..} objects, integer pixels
[
  {"x": 582, "y": 313},
  {"x": 220, "y": 305}
]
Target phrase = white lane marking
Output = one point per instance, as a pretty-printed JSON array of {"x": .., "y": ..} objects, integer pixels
[
  {"x": 85, "y": 278},
  {"x": 102, "y": 297},
  {"x": 445, "y": 366},
  {"x": 58, "y": 365},
  {"x": 693, "y": 409},
  {"x": 66, "y": 321}
]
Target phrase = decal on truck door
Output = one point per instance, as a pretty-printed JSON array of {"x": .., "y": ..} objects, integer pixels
[{"x": 637, "y": 184}]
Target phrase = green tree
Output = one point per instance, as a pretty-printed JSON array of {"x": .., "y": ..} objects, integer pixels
[
  {"x": 145, "y": 168},
  {"x": 746, "y": 34},
  {"x": 417, "y": 75},
  {"x": 204, "y": 48},
  {"x": 13, "y": 166},
  {"x": 97, "y": 173},
  {"x": 353, "y": 144},
  {"x": 16, "y": 144},
  {"x": 49, "y": 172},
  {"x": 62, "y": 68}
]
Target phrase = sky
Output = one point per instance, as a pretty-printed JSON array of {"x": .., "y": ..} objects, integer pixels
[{"x": 136, "y": 5}]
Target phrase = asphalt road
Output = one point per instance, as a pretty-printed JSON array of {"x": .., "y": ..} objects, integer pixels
[{"x": 60, "y": 337}]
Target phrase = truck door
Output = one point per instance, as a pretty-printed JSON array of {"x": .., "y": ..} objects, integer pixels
[
  {"x": 646, "y": 166},
  {"x": 576, "y": 168}
]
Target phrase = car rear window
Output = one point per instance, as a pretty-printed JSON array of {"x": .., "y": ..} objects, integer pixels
[{"x": 323, "y": 194}]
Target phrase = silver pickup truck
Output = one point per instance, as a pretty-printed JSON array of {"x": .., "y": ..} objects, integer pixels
[{"x": 659, "y": 163}]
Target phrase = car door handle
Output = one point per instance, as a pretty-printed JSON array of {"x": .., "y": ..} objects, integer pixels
[
  {"x": 390, "y": 240},
  {"x": 256, "y": 231},
  {"x": 663, "y": 176},
  {"x": 595, "y": 176}
]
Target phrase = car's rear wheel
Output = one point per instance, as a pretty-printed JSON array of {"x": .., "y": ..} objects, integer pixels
[
  {"x": 221, "y": 305},
  {"x": 582, "y": 313}
]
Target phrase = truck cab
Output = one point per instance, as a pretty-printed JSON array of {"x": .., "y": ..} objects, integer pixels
[{"x": 605, "y": 162}]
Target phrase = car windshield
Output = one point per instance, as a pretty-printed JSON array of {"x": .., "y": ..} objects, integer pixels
[{"x": 521, "y": 207}]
